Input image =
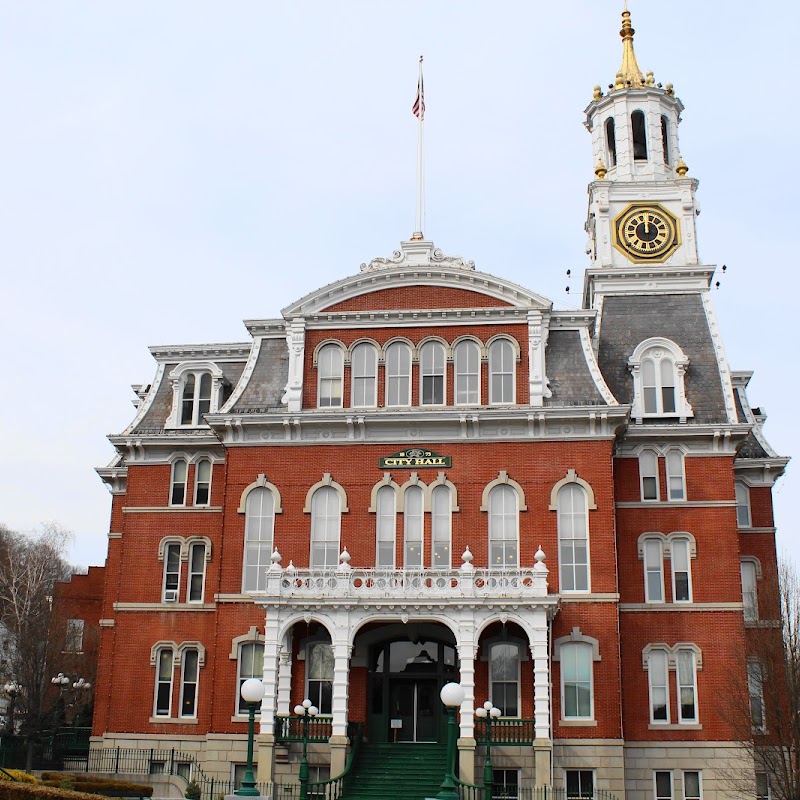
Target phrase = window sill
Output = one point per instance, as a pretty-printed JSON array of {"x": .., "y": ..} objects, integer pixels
[
  {"x": 173, "y": 720},
  {"x": 244, "y": 718},
  {"x": 578, "y": 723},
  {"x": 667, "y": 726}
]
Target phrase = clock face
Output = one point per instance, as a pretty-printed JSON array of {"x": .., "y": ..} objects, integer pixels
[{"x": 646, "y": 232}]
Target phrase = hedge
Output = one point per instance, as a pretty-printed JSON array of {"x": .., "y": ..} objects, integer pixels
[
  {"x": 104, "y": 786},
  {"x": 16, "y": 775},
  {"x": 27, "y": 791}
]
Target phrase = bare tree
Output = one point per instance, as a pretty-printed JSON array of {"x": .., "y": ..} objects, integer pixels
[{"x": 29, "y": 567}]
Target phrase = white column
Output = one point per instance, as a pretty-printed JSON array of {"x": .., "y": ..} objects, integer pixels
[
  {"x": 341, "y": 677},
  {"x": 296, "y": 342},
  {"x": 270, "y": 673},
  {"x": 541, "y": 674},
  {"x": 538, "y": 330},
  {"x": 285, "y": 678}
]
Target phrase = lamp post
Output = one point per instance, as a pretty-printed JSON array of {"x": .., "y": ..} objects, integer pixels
[
  {"x": 306, "y": 711},
  {"x": 490, "y": 713},
  {"x": 13, "y": 690},
  {"x": 252, "y": 693},
  {"x": 452, "y": 696}
]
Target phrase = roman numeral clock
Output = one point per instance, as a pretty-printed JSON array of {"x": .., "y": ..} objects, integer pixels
[{"x": 646, "y": 232}]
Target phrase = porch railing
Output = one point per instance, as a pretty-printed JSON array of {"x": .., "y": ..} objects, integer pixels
[
  {"x": 290, "y": 729},
  {"x": 469, "y": 791},
  {"x": 507, "y": 731}
]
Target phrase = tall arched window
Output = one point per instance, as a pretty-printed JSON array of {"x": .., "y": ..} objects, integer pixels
[
  {"x": 665, "y": 139},
  {"x": 441, "y": 527},
  {"x": 676, "y": 482},
  {"x": 190, "y": 663},
  {"x": 259, "y": 523},
  {"x": 658, "y": 383},
  {"x": 413, "y": 526},
  {"x": 330, "y": 367},
  {"x": 743, "y": 517},
  {"x": 639, "y": 136},
  {"x": 177, "y": 491},
  {"x": 195, "y": 398},
  {"x": 573, "y": 538},
  {"x": 467, "y": 360},
  {"x": 611, "y": 142},
  {"x": 386, "y": 527},
  {"x": 195, "y": 587},
  {"x": 326, "y": 516},
  {"x": 319, "y": 683},
  {"x": 364, "y": 369},
  {"x": 504, "y": 661},
  {"x": 398, "y": 374},
  {"x": 576, "y": 681},
  {"x": 503, "y": 527},
  {"x": 202, "y": 482},
  {"x": 502, "y": 360},
  {"x": 251, "y": 665},
  {"x": 749, "y": 574},
  {"x": 648, "y": 475},
  {"x": 658, "y": 366},
  {"x": 165, "y": 663},
  {"x": 432, "y": 370}
]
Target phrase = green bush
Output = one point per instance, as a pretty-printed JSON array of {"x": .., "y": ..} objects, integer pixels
[
  {"x": 16, "y": 775},
  {"x": 192, "y": 791},
  {"x": 27, "y": 791},
  {"x": 90, "y": 783}
]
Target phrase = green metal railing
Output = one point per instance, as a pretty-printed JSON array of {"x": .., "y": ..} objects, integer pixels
[{"x": 333, "y": 789}]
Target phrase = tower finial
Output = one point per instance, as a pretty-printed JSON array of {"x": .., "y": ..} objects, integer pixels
[{"x": 629, "y": 73}]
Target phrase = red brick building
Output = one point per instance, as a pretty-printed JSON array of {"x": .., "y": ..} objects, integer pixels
[{"x": 423, "y": 473}]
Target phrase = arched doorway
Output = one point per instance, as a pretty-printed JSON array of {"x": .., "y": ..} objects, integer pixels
[{"x": 405, "y": 677}]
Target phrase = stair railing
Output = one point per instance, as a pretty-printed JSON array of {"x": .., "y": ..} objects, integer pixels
[
  {"x": 333, "y": 788},
  {"x": 469, "y": 791}
]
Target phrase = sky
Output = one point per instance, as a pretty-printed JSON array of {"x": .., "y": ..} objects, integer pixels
[{"x": 169, "y": 168}]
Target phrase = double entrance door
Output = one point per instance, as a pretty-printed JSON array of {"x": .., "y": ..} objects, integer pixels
[{"x": 414, "y": 709}]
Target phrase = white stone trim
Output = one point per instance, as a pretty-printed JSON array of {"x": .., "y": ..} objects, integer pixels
[
  {"x": 672, "y": 654},
  {"x": 176, "y": 377},
  {"x": 683, "y": 409},
  {"x": 538, "y": 383},
  {"x": 756, "y": 562},
  {"x": 261, "y": 482},
  {"x": 572, "y": 477},
  {"x": 502, "y": 479},
  {"x": 327, "y": 480},
  {"x": 244, "y": 378},
  {"x": 145, "y": 405},
  {"x": 666, "y": 542},
  {"x": 296, "y": 344},
  {"x": 594, "y": 368},
  {"x": 253, "y": 635},
  {"x": 441, "y": 480},
  {"x": 373, "y": 495},
  {"x": 722, "y": 361},
  {"x": 576, "y": 635}
]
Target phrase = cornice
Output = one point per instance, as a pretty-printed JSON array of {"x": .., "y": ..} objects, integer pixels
[
  {"x": 236, "y": 351},
  {"x": 161, "y": 607},
  {"x": 724, "y": 437},
  {"x": 451, "y": 424},
  {"x": 672, "y": 504},
  {"x": 760, "y": 471},
  {"x": 680, "y": 607},
  {"x": 172, "y": 510},
  {"x": 266, "y": 328},
  {"x": 645, "y": 279},
  {"x": 417, "y": 318}
]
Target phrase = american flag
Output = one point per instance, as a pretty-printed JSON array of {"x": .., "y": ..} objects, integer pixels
[{"x": 418, "y": 109}]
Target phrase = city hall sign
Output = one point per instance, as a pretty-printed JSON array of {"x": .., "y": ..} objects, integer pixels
[{"x": 415, "y": 458}]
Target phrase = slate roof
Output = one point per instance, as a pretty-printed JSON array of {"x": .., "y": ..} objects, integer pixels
[
  {"x": 268, "y": 381},
  {"x": 570, "y": 380}
]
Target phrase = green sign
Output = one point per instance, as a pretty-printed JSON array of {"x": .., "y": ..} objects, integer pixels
[{"x": 415, "y": 458}]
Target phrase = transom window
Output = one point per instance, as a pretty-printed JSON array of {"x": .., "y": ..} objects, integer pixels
[
  {"x": 259, "y": 525},
  {"x": 503, "y": 527},
  {"x": 195, "y": 397},
  {"x": 467, "y": 359},
  {"x": 502, "y": 363},
  {"x": 576, "y": 681},
  {"x": 364, "y": 369},
  {"x": 330, "y": 368},
  {"x": 432, "y": 372},
  {"x": 413, "y": 526},
  {"x": 573, "y": 536},
  {"x": 326, "y": 513},
  {"x": 398, "y": 374}
]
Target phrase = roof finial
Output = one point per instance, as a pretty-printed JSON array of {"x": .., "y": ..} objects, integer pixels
[{"x": 629, "y": 71}]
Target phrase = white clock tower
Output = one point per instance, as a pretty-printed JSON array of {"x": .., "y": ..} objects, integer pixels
[{"x": 642, "y": 206}]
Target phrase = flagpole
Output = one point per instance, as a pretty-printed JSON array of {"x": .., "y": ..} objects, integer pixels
[{"x": 420, "y": 157}]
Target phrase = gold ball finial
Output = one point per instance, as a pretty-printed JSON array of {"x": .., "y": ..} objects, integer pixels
[
  {"x": 681, "y": 167},
  {"x": 598, "y": 93},
  {"x": 600, "y": 169},
  {"x": 670, "y": 89},
  {"x": 619, "y": 81},
  {"x": 650, "y": 80}
]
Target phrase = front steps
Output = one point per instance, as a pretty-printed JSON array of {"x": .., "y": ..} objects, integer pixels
[{"x": 397, "y": 772}]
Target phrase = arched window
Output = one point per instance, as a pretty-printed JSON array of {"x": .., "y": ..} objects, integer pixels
[
  {"x": 259, "y": 523},
  {"x": 503, "y": 527},
  {"x": 251, "y": 665},
  {"x": 364, "y": 369},
  {"x": 658, "y": 366},
  {"x": 648, "y": 475},
  {"x": 653, "y": 557},
  {"x": 172, "y": 572},
  {"x": 441, "y": 527},
  {"x": 398, "y": 374},
  {"x": 639, "y": 136},
  {"x": 665, "y": 139},
  {"x": 202, "y": 482},
  {"x": 197, "y": 572},
  {"x": 676, "y": 483},
  {"x": 467, "y": 359},
  {"x": 386, "y": 527},
  {"x": 502, "y": 360},
  {"x": 330, "y": 367},
  {"x": 177, "y": 491},
  {"x": 749, "y": 572},
  {"x": 326, "y": 518},
  {"x": 576, "y": 681},
  {"x": 190, "y": 663},
  {"x": 413, "y": 526},
  {"x": 504, "y": 662},
  {"x": 743, "y": 516},
  {"x": 687, "y": 686},
  {"x": 432, "y": 369},
  {"x": 573, "y": 537},
  {"x": 658, "y": 678},
  {"x": 681, "y": 570},
  {"x": 658, "y": 382},
  {"x": 611, "y": 142},
  {"x": 195, "y": 397},
  {"x": 165, "y": 663},
  {"x": 319, "y": 681}
]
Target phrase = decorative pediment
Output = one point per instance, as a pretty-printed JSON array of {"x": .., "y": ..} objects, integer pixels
[{"x": 419, "y": 263}]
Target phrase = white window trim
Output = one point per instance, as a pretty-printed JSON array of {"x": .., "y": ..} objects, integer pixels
[
  {"x": 666, "y": 553},
  {"x": 342, "y": 352},
  {"x": 696, "y": 718},
  {"x": 757, "y": 575},
  {"x": 757, "y": 667},
  {"x": 180, "y": 459},
  {"x": 183, "y": 684},
  {"x": 240, "y": 641},
  {"x": 460, "y": 344},
  {"x": 671, "y": 784},
  {"x": 516, "y": 541},
  {"x": 741, "y": 485},
  {"x": 177, "y": 378},
  {"x": 271, "y": 546},
  {"x": 653, "y": 720},
  {"x": 699, "y": 782},
  {"x": 374, "y": 376},
  {"x": 643, "y": 556},
  {"x": 642, "y": 476},
  {"x": 682, "y": 408},
  {"x": 450, "y": 490},
  {"x": 672, "y": 666},
  {"x": 196, "y": 481},
  {"x": 189, "y": 547},
  {"x": 516, "y": 350},
  {"x": 674, "y": 537},
  {"x": 164, "y": 553},
  {"x": 447, "y": 359},
  {"x": 520, "y": 653},
  {"x": 390, "y": 484},
  {"x": 158, "y": 649},
  {"x": 420, "y": 490},
  {"x": 312, "y": 540},
  {"x": 577, "y": 637},
  {"x": 589, "y": 498},
  {"x": 682, "y": 454},
  {"x": 580, "y": 769},
  {"x": 410, "y": 376},
  {"x": 321, "y": 638}
]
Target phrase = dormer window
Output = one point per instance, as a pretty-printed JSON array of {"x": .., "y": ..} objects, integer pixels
[
  {"x": 639, "y": 136},
  {"x": 658, "y": 366},
  {"x": 197, "y": 390}
]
